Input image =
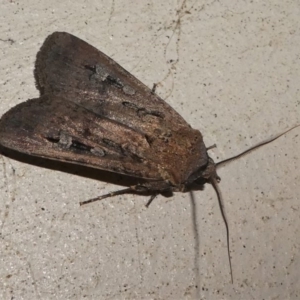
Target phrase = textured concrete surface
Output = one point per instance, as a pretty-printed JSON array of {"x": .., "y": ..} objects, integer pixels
[{"x": 232, "y": 69}]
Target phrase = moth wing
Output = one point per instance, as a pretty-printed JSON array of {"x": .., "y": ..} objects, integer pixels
[
  {"x": 55, "y": 128},
  {"x": 71, "y": 68},
  {"x": 159, "y": 143}
]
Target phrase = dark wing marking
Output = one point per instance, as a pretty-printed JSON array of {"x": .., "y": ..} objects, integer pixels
[
  {"x": 58, "y": 129},
  {"x": 71, "y": 68}
]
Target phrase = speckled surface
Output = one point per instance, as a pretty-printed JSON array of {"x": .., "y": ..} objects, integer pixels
[{"x": 232, "y": 70}]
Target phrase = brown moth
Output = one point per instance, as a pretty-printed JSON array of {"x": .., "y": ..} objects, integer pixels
[{"x": 93, "y": 112}]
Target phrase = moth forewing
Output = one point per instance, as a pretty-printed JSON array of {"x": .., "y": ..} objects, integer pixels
[
  {"x": 69, "y": 67},
  {"x": 63, "y": 130}
]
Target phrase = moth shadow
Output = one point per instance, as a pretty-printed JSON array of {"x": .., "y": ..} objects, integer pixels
[{"x": 82, "y": 171}]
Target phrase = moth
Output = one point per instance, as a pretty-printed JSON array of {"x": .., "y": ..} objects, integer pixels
[{"x": 93, "y": 112}]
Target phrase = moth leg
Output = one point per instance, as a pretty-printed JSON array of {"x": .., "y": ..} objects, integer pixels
[
  {"x": 115, "y": 193},
  {"x": 154, "y": 88},
  {"x": 211, "y": 147},
  {"x": 155, "y": 187},
  {"x": 150, "y": 200}
]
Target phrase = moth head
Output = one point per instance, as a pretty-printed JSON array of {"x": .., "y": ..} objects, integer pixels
[
  {"x": 210, "y": 172},
  {"x": 205, "y": 174}
]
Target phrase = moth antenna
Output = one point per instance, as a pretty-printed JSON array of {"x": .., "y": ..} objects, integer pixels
[
  {"x": 214, "y": 183},
  {"x": 225, "y": 161},
  {"x": 115, "y": 193}
]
